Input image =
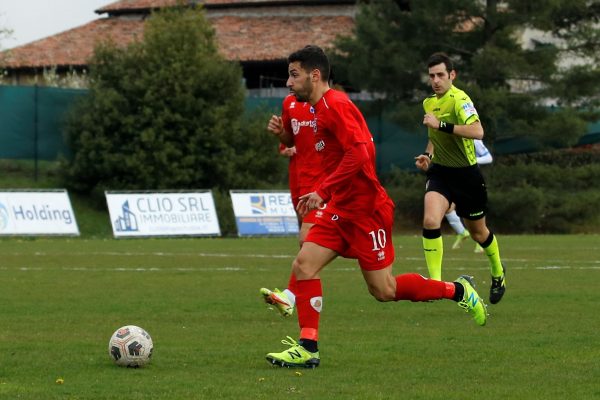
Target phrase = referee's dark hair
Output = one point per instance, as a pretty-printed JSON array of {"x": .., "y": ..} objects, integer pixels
[
  {"x": 440, "y": 58},
  {"x": 312, "y": 57}
]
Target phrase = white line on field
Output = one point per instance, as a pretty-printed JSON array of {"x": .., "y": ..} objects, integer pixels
[
  {"x": 128, "y": 269},
  {"x": 156, "y": 253},
  {"x": 398, "y": 269},
  {"x": 276, "y": 256}
]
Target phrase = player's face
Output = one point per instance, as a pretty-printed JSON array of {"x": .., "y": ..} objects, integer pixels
[
  {"x": 299, "y": 82},
  {"x": 440, "y": 79}
]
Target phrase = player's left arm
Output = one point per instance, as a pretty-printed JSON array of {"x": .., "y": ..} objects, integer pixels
[
  {"x": 347, "y": 124},
  {"x": 466, "y": 120},
  {"x": 352, "y": 162},
  {"x": 472, "y": 129},
  {"x": 468, "y": 123}
]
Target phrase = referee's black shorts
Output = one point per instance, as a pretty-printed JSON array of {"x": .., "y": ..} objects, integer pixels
[{"x": 463, "y": 186}]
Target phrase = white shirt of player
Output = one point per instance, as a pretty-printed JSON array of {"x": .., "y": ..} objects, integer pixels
[{"x": 482, "y": 153}]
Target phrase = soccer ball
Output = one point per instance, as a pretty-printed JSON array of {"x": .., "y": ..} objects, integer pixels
[{"x": 130, "y": 346}]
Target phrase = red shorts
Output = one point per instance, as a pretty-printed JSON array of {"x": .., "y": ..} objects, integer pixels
[
  {"x": 310, "y": 218},
  {"x": 368, "y": 239}
]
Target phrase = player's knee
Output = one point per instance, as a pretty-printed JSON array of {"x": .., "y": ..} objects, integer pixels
[
  {"x": 430, "y": 222},
  {"x": 479, "y": 236},
  {"x": 303, "y": 270}
]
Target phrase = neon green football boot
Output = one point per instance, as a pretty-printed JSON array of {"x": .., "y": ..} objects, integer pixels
[
  {"x": 459, "y": 239},
  {"x": 471, "y": 302},
  {"x": 294, "y": 357},
  {"x": 278, "y": 299}
]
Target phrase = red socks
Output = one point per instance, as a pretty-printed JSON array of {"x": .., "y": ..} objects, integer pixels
[
  {"x": 293, "y": 284},
  {"x": 415, "y": 287},
  {"x": 309, "y": 299}
]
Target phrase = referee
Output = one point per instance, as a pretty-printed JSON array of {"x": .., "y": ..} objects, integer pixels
[{"x": 452, "y": 172}]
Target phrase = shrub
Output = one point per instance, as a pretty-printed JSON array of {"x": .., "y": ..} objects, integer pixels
[
  {"x": 552, "y": 192},
  {"x": 167, "y": 113}
]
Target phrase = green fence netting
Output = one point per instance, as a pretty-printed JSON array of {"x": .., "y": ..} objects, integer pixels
[
  {"x": 32, "y": 125},
  {"x": 31, "y": 121}
]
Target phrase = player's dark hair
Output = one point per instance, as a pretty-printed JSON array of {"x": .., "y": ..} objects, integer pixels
[
  {"x": 440, "y": 58},
  {"x": 312, "y": 57}
]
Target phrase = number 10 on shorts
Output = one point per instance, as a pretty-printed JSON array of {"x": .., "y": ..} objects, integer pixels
[{"x": 379, "y": 239}]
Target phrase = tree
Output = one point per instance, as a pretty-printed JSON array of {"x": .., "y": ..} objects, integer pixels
[
  {"x": 167, "y": 112},
  {"x": 547, "y": 88},
  {"x": 5, "y": 33}
]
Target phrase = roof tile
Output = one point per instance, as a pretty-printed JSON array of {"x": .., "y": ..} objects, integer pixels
[
  {"x": 240, "y": 36},
  {"x": 267, "y": 38},
  {"x": 135, "y": 5},
  {"x": 75, "y": 46},
  {"x": 123, "y": 5}
]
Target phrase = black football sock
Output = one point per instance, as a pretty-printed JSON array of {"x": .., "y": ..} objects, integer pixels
[
  {"x": 459, "y": 291},
  {"x": 310, "y": 345}
]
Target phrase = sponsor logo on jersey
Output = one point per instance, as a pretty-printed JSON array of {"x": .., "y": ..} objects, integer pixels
[
  {"x": 469, "y": 109},
  {"x": 297, "y": 125},
  {"x": 320, "y": 145}
]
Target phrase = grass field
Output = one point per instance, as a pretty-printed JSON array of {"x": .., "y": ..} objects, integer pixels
[{"x": 61, "y": 299}]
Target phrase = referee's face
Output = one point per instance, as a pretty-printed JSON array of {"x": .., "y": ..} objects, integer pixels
[
  {"x": 299, "y": 82},
  {"x": 440, "y": 79}
]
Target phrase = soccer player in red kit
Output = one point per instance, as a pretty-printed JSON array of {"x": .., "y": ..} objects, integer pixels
[
  {"x": 354, "y": 215},
  {"x": 297, "y": 118}
]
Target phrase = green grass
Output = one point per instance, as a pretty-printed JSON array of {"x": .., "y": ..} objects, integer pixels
[{"x": 61, "y": 299}]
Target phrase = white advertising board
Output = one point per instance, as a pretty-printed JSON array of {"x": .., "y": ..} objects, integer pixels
[
  {"x": 264, "y": 213},
  {"x": 37, "y": 212},
  {"x": 163, "y": 213}
]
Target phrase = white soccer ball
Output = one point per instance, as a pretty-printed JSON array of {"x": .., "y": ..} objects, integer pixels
[{"x": 130, "y": 346}]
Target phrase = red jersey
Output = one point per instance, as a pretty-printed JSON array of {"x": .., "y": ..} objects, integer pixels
[
  {"x": 305, "y": 165},
  {"x": 350, "y": 187}
]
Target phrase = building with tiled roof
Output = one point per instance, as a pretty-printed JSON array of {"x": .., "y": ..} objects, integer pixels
[{"x": 257, "y": 33}]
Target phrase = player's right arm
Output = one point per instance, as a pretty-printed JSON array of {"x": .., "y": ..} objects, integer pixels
[
  {"x": 275, "y": 126},
  {"x": 422, "y": 161}
]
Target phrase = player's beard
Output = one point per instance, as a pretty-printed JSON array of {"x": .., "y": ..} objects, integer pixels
[{"x": 303, "y": 94}]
